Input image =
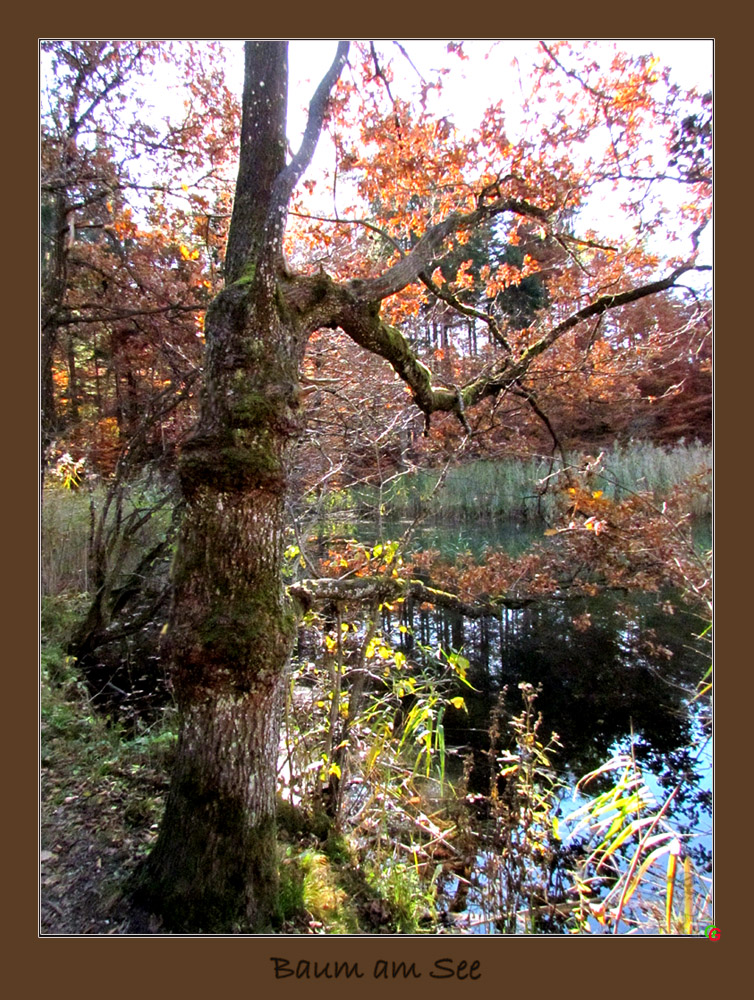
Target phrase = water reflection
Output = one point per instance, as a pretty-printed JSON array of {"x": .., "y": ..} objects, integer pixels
[
  {"x": 628, "y": 664},
  {"x": 618, "y": 679},
  {"x": 616, "y": 673}
]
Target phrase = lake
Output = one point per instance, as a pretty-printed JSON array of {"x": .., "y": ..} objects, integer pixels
[{"x": 615, "y": 673}]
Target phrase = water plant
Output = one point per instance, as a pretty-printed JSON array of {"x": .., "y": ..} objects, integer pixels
[
  {"x": 514, "y": 881},
  {"x": 630, "y": 847},
  {"x": 524, "y": 489}
]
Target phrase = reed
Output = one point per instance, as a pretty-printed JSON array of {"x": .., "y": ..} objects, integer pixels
[
  {"x": 640, "y": 466},
  {"x": 519, "y": 489},
  {"x": 65, "y": 527},
  {"x": 68, "y": 521}
]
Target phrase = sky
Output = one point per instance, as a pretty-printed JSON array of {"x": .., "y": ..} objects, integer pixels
[
  {"x": 474, "y": 83},
  {"x": 487, "y": 75}
]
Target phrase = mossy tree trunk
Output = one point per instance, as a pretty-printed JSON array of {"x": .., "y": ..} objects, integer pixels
[
  {"x": 230, "y": 631},
  {"x": 231, "y": 628}
]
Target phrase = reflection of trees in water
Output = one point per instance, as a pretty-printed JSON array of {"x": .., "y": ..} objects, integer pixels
[
  {"x": 630, "y": 669},
  {"x": 621, "y": 679}
]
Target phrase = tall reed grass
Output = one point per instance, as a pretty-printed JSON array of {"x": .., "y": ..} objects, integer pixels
[
  {"x": 65, "y": 527},
  {"x": 644, "y": 467},
  {"x": 510, "y": 488}
]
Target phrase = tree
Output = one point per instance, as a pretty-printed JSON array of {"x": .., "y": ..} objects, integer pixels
[
  {"x": 232, "y": 624},
  {"x": 127, "y": 259}
]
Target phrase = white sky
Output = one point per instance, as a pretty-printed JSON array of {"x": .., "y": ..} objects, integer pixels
[
  {"x": 475, "y": 83},
  {"x": 469, "y": 87}
]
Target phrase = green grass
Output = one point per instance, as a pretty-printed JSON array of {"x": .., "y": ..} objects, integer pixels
[
  {"x": 410, "y": 899},
  {"x": 644, "y": 467},
  {"x": 96, "y": 777},
  {"x": 65, "y": 532},
  {"x": 73, "y": 732},
  {"x": 66, "y": 527}
]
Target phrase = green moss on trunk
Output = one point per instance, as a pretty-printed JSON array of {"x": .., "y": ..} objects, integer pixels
[{"x": 214, "y": 868}]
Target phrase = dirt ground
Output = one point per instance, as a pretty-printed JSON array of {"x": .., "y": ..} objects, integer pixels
[{"x": 90, "y": 842}]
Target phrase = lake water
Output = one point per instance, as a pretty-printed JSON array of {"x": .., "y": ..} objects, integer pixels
[{"x": 619, "y": 681}]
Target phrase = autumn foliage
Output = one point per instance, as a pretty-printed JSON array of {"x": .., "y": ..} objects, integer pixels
[{"x": 135, "y": 213}]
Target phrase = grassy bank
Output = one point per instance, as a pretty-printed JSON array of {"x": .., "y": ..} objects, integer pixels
[
  {"x": 512, "y": 488},
  {"x": 70, "y": 519}
]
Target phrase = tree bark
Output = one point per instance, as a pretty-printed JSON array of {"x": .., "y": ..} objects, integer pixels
[
  {"x": 214, "y": 867},
  {"x": 231, "y": 628}
]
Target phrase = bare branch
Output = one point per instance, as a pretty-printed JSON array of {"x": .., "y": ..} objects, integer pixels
[
  {"x": 528, "y": 395},
  {"x": 426, "y": 251},
  {"x": 382, "y": 590},
  {"x": 290, "y": 176},
  {"x": 106, "y": 315},
  {"x": 338, "y": 221}
]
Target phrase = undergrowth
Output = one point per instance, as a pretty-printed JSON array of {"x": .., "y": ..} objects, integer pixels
[{"x": 111, "y": 781}]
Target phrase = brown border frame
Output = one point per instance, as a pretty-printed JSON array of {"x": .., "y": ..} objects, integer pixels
[{"x": 215, "y": 966}]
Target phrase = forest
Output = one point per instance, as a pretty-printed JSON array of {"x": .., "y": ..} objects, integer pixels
[{"x": 375, "y": 487}]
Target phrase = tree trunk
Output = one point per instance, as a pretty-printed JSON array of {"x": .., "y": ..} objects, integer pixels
[
  {"x": 48, "y": 410},
  {"x": 231, "y": 629},
  {"x": 214, "y": 868},
  {"x": 54, "y": 277}
]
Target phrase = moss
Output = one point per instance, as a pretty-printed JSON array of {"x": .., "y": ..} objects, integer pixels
[
  {"x": 249, "y": 407},
  {"x": 247, "y": 275},
  {"x": 321, "y": 285},
  {"x": 230, "y": 638},
  {"x": 231, "y": 468},
  {"x": 231, "y": 633},
  {"x": 282, "y": 307},
  {"x": 401, "y": 350},
  {"x": 296, "y": 823}
]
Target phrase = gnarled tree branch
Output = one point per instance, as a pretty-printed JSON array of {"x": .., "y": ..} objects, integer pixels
[{"x": 339, "y": 305}]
